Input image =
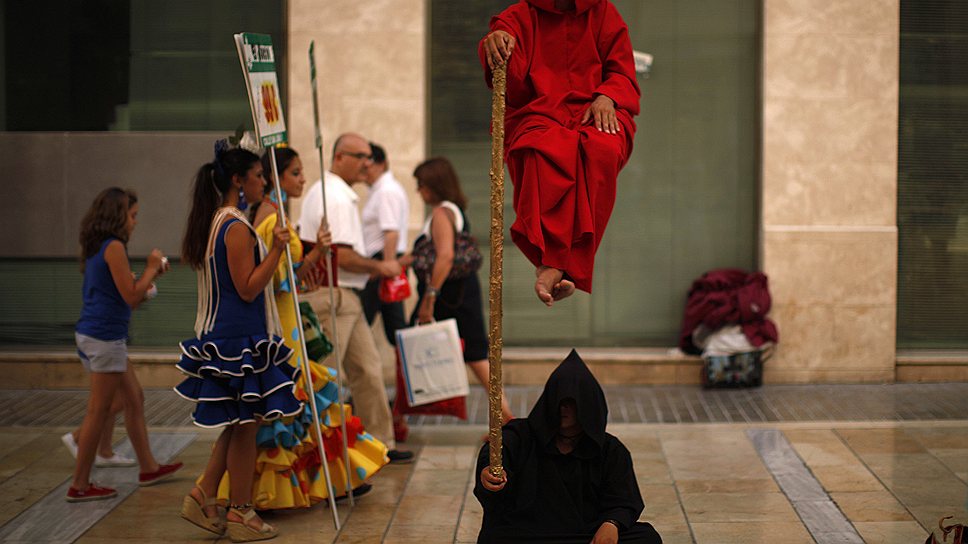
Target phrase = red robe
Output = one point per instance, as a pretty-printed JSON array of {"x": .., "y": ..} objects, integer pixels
[{"x": 564, "y": 173}]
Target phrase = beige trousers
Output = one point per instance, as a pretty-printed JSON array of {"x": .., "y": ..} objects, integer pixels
[{"x": 362, "y": 364}]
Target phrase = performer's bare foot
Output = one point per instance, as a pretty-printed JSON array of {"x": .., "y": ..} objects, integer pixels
[{"x": 550, "y": 286}]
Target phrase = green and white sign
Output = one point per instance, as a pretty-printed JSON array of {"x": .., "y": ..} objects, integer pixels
[{"x": 259, "y": 67}]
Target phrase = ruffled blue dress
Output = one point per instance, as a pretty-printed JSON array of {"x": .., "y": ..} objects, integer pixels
[{"x": 235, "y": 371}]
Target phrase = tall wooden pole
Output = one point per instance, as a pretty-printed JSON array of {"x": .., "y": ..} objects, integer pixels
[
  {"x": 495, "y": 389},
  {"x": 307, "y": 370},
  {"x": 329, "y": 281}
]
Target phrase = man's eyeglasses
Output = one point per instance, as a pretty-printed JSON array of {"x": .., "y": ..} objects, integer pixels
[{"x": 359, "y": 155}]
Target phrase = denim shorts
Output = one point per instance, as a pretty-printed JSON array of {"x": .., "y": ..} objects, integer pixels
[{"x": 102, "y": 355}]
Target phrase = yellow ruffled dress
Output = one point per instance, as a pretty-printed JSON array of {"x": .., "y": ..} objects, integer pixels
[{"x": 288, "y": 472}]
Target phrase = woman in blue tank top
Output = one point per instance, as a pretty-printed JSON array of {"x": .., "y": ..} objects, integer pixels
[
  {"x": 110, "y": 291},
  {"x": 235, "y": 363}
]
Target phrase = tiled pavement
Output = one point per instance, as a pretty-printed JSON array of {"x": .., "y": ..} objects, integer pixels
[
  {"x": 628, "y": 404},
  {"x": 890, "y": 460}
]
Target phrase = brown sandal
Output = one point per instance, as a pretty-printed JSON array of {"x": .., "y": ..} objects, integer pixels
[
  {"x": 241, "y": 531},
  {"x": 194, "y": 512}
]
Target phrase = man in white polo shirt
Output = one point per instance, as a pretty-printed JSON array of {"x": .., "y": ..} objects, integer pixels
[
  {"x": 361, "y": 361},
  {"x": 385, "y": 216}
]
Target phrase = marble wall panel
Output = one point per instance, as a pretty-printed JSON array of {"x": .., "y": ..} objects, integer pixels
[
  {"x": 865, "y": 336},
  {"x": 342, "y": 17},
  {"x": 805, "y": 130},
  {"x": 831, "y": 193},
  {"x": 824, "y": 67},
  {"x": 829, "y": 178},
  {"x": 834, "y": 304},
  {"x": 830, "y": 16},
  {"x": 832, "y": 343},
  {"x": 371, "y": 60},
  {"x": 832, "y": 267},
  {"x": 805, "y": 333}
]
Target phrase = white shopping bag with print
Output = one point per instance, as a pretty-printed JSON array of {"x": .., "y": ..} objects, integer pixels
[{"x": 433, "y": 362}]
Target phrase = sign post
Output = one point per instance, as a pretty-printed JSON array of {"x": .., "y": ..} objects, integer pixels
[
  {"x": 329, "y": 273},
  {"x": 259, "y": 68}
]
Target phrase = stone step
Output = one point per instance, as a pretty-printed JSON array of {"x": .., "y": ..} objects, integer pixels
[
  {"x": 931, "y": 366},
  {"x": 522, "y": 366},
  {"x": 60, "y": 369}
]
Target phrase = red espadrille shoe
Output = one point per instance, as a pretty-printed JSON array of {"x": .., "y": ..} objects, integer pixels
[
  {"x": 93, "y": 492},
  {"x": 163, "y": 473}
]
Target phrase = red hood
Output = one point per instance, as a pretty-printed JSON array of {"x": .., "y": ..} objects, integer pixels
[{"x": 549, "y": 5}]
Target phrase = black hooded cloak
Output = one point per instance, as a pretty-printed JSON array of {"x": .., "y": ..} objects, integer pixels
[{"x": 551, "y": 497}]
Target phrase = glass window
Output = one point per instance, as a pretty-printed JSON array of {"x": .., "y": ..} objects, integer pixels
[
  {"x": 41, "y": 299},
  {"x": 932, "y": 211},
  {"x": 138, "y": 65}
]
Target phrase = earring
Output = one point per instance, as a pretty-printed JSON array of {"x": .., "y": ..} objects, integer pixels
[{"x": 242, "y": 203}]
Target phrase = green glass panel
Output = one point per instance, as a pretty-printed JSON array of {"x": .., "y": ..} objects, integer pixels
[
  {"x": 129, "y": 65},
  {"x": 42, "y": 301},
  {"x": 932, "y": 188}
]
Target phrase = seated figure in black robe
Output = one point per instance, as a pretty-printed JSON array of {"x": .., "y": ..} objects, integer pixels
[{"x": 566, "y": 480}]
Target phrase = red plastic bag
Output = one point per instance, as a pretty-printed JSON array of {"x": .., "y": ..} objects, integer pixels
[{"x": 395, "y": 289}]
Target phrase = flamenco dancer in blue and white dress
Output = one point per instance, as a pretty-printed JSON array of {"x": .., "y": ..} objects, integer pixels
[{"x": 235, "y": 365}]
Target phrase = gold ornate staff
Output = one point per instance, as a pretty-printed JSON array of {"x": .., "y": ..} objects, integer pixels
[{"x": 495, "y": 337}]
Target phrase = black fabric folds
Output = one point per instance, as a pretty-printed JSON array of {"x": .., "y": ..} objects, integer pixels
[
  {"x": 563, "y": 498},
  {"x": 571, "y": 380}
]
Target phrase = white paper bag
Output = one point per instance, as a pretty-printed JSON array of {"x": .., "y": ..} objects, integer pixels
[{"x": 433, "y": 362}]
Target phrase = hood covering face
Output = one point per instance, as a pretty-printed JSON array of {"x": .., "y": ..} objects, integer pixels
[
  {"x": 571, "y": 379},
  {"x": 581, "y": 6}
]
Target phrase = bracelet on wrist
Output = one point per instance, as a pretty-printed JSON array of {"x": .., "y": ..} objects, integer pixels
[
  {"x": 613, "y": 522},
  {"x": 433, "y": 291}
]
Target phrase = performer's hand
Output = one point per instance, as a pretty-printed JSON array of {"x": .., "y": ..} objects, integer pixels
[
  {"x": 495, "y": 483},
  {"x": 406, "y": 260},
  {"x": 313, "y": 279},
  {"x": 425, "y": 313},
  {"x": 156, "y": 261},
  {"x": 153, "y": 262},
  {"x": 498, "y": 46},
  {"x": 388, "y": 269},
  {"x": 602, "y": 112},
  {"x": 324, "y": 239},
  {"x": 310, "y": 282},
  {"x": 606, "y": 534},
  {"x": 280, "y": 238}
]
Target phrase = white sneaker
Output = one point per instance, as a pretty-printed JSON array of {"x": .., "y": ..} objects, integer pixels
[
  {"x": 70, "y": 444},
  {"x": 116, "y": 460}
]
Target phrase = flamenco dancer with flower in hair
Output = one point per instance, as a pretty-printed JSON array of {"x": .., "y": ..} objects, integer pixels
[
  {"x": 236, "y": 365},
  {"x": 288, "y": 469}
]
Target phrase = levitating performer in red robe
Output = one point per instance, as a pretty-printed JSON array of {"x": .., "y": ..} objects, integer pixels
[{"x": 571, "y": 96}]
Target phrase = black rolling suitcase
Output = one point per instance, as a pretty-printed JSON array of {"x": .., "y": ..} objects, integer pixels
[{"x": 737, "y": 370}]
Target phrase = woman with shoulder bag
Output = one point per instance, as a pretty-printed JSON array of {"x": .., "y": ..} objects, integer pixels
[{"x": 445, "y": 263}]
